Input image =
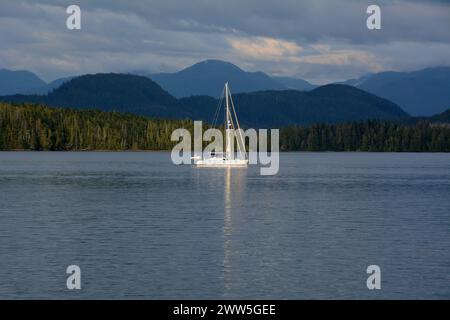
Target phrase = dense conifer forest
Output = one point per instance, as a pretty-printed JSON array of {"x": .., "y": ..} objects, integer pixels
[
  {"x": 376, "y": 136},
  {"x": 37, "y": 127}
]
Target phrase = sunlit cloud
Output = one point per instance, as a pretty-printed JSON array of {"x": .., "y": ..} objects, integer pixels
[
  {"x": 263, "y": 48},
  {"x": 282, "y": 51}
]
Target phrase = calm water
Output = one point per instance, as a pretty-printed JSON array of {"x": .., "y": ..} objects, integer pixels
[{"x": 140, "y": 227}]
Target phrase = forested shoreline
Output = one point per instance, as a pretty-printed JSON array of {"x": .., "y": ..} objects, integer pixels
[
  {"x": 370, "y": 135},
  {"x": 37, "y": 127}
]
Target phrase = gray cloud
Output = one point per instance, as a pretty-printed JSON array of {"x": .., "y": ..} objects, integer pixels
[{"x": 319, "y": 40}]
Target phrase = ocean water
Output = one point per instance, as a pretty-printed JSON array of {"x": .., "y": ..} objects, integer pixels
[{"x": 140, "y": 227}]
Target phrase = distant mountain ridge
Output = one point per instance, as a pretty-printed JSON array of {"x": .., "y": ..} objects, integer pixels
[
  {"x": 420, "y": 93},
  {"x": 207, "y": 78},
  {"x": 270, "y": 108},
  {"x": 295, "y": 83},
  {"x": 26, "y": 82},
  {"x": 203, "y": 78},
  {"x": 20, "y": 81}
]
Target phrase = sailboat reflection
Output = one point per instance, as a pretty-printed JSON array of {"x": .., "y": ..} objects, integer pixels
[{"x": 234, "y": 189}]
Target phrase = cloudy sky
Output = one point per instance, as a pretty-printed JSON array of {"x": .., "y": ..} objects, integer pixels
[{"x": 318, "y": 40}]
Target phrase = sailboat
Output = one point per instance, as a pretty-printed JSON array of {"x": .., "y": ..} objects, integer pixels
[{"x": 227, "y": 158}]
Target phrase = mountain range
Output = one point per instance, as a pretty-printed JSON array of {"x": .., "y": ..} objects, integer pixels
[
  {"x": 26, "y": 82},
  {"x": 270, "y": 108},
  {"x": 419, "y": 93},
  {"x": 207, "y": 78},
  {"x": 203, "y": 78}
]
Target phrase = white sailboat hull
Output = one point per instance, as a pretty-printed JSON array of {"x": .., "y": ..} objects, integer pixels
[{"x": 220, "y": 162}]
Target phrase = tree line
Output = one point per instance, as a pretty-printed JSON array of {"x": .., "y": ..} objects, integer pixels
[
  {"x": 37, "y": 127},
  {"x": 370, "y": 135}
]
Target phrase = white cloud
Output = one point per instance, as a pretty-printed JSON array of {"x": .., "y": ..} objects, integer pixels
[{"x": 264, "y": 48}]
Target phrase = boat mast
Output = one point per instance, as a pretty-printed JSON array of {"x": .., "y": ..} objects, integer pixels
[{"x": 228, "y": 126}]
